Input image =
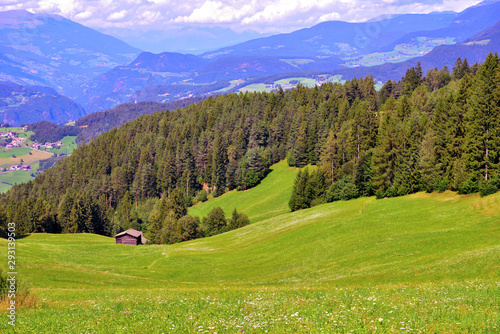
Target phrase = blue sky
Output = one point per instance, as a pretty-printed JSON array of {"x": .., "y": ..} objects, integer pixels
[{"x": 264, "y": 16}]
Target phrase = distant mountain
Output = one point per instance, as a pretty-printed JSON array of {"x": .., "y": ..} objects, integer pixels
[
  {"x": 100, "y": 72},
  {"x": 29, "y": 104},
  {"x": 193, "y": 40},
  {"x": 475, "y": 49},
  {"x": 54, "y": 51},
  {"x": 466, "y": 24},
  {"x": 336, "y": 38},
  {"x": 119, "y": 84}
]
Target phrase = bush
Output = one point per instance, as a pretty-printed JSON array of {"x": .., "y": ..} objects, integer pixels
[
  {"x": 469, "y": 187},
  {"x": 489, "y": 187},
  {"x": 251, "y": 179},
  {"x": 441, "y": 185},
  {"x": 238, "y": 220},
  {"x": 202, "y": 196},
  {"x": 391, "y": 192},
  {"x": 379, "y": 194},
  {"x": 344, "y": 189},
  {"x": 215, "y": 222},
  {"x": 402, "y": 190}
]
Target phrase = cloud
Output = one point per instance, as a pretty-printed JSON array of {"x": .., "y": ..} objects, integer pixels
[
  {"x": 259, "y": 15},
  {"x": 117, "y": 15}
]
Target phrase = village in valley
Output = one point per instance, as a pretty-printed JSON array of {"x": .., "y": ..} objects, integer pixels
[{"x": 20, "y": 155}]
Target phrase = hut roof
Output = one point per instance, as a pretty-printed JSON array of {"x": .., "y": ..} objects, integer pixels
[{"x": 134, "y": 233}]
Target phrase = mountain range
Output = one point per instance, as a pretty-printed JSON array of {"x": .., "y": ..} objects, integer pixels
[{"x": 96, "y": 71}]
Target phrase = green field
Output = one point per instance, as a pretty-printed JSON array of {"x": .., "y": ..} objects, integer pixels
[
  {"x": 419, "y": 263},
  {"x": 267, "y": 200},
  {"x": 7, "y": 180},
  {"x": 69, "y": 144},
  {"x": 309, "y": 82},
  {"x": 255, "y": 88},
  {"x": 17, "y": 151}
]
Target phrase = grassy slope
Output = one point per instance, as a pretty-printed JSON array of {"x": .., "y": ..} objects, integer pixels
[
  {"x": 427, "y": 262},
  {"x": 69, "y": 144},
  {"x": 268, "y": 199}
]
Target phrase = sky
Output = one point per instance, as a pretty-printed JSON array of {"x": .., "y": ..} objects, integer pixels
[{"x": 263, "y": 16}]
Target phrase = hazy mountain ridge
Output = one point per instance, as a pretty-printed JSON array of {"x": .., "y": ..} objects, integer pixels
[
  {"x": 28, "y": 104},
  {"x": 83, "y": 71},
  {"x": 58, "y": 51}
]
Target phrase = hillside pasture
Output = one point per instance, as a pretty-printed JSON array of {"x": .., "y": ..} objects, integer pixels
[{"x": 419, "y": 263}]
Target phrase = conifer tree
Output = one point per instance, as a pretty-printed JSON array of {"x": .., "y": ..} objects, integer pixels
[
  {"x": 482, "y": 141},
  {"x": 385, "y": 153},
  {"x": 219, "y": 166}
]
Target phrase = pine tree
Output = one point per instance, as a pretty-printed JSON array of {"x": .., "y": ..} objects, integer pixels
[
  {"x": 328, "y": 157},
  {"x": 219, "y": 166},
  {"x": 482, "y": 123},
  {"x": 385, "y": 153},
  {"x": 427, "y": 161}
]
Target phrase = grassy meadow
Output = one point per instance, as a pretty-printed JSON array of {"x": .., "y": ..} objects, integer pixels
[
  {"x": 420, "y": 263},
  {"x": 269, "y": 199}
]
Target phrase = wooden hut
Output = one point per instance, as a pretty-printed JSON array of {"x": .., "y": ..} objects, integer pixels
[{"x": 130, "y": 237}]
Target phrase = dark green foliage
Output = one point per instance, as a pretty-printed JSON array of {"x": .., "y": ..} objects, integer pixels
[
  {"x": 215, "y": 222},
  {"x": 177, "y": 203},
  {"x": 50, "y": 132},
  {"x": 344, "y": 189},
  {"x": 441, "y": 185},
  {"x": 202, "y": 196},
  {"x": 300, "y": 199},
  {"x": 238, "y": 220},
  {"x": 489, "y": 187},
  {"x": 470, "y": 186},
  {"x": 189, "y": 228}
]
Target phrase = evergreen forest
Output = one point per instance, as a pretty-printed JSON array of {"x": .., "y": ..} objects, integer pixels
[{"x": 427, "y": 132}]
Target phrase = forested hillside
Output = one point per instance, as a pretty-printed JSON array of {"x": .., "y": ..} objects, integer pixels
[{"x": 437, "y": 132}]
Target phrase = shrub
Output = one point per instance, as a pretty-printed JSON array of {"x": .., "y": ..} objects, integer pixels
[
  {"x": 215, "y": 222},
  {"x": 238, "y": 220},
  {"x": 441, "y": 185},
  {"x": 344, "y": 189},
  {"x": 251, "y": 179},
  {"x": 391, "y": 192},
  {"x": 469, "y": 187},
  {"x": 202, "y": 196},
  {"x": 379, "y": 194},
  {"x": 489, "y": 187}
]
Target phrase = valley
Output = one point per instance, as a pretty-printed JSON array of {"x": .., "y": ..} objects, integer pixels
[{"x": 21, "y": 162}]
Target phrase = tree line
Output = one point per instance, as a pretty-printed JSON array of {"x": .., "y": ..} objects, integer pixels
[{"x": 434, "y": 132}]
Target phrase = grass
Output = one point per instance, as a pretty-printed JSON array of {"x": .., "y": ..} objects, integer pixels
[
  {"x": 69, "y": 144},
  {"x": 27, "y": 158},
  {"x": 8, "y": 179},
  {"x": 17, "y": 151},
  {"x": 260, "y": 87},
  {"x": 269, "y": 199},
  {"x": 303, "y": 80},
  {"x": 419, "y": 263}
]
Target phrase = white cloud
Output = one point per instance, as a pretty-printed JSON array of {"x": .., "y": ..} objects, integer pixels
[
  {"x": 259, "y": 15},
  {"x": 117, "y": 15},
  {"x": 83, "y": 15}
]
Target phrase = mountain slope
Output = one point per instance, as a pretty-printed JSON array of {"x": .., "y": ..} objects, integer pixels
[
  {"x": 469, "y": 22},
  {"x": 52, "y": 50},
  {"x": 426, "y": 261},
  {"x": 335, "y": 38},
  {"x": 475, "y": 49},
  {"x": 29, "y": 104}
]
